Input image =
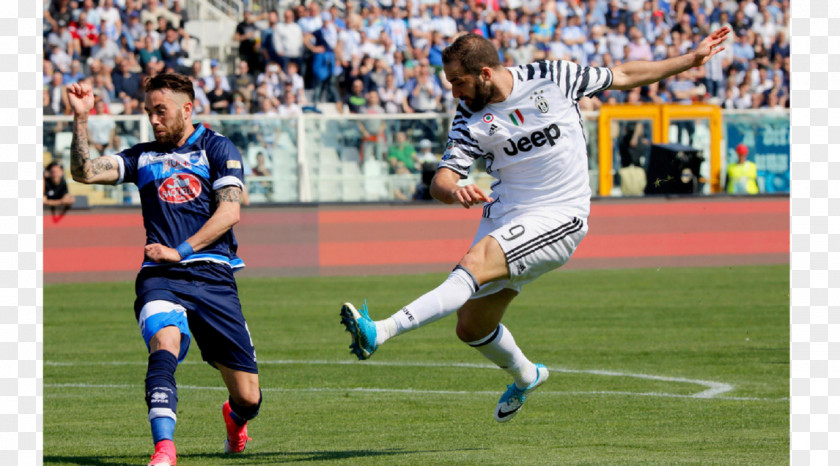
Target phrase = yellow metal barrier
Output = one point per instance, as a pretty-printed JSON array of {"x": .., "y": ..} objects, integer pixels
[{"x": 660, "y": 116}]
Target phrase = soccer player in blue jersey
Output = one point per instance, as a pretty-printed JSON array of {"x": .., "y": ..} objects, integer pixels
[
  {"x": 525, "y": 122},
  {"x": 190, "y": 181}
]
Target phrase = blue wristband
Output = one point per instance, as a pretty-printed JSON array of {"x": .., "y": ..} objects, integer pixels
[{"x": 185, "y": 250}]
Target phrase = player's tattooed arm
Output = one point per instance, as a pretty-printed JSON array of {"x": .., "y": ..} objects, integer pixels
[
  {"x": 223, "y": 219},
  {"x": 102, "y": 170},
  {"x": 228, "y": 194}
]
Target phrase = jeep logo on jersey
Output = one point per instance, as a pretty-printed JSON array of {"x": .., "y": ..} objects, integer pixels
[
  {"x": 179, "y": 188},
  {"x": 535, "y": 139}
]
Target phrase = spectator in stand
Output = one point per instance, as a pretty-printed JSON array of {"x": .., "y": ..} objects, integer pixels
[
  {"x": 778, "y": 92},
  {"x": 210, "y": 82},
  {"x": 372, "y": 129},
  {"x": 615, "y": 15},
  {"x": 149, "y": 30},
  {"x": 294, "y": 83},
  {"x": 639, "y": 48},
  {"x": 355, "y": 100},
  {"x": 729, "y": 99},
  {"x": 744, "y": 99},
  {"x": 402, "y": 157},
  {"x": 289, "y": 107},
  {"x": 58, "y": 95},
  {"x": 107, "y": 51},
  {"x": 150, "y": 55},
  {"x": 760, "y": 80},
  {"x": 574, "y": 37},
  {"x": 273, "y": 80},
  {"x": 219, "y": 98},
  {"x": 268, "y": 53},
  {"x": 263, "y": 94},
  {"x": 392, "y": 97},
  {"x": 134, "y": 26},
  {"x": 742, "y": 52},
  {"x": 128, "y": 87},
  {"x": 321, "y": 44},
  {"x": 108, "y": 12},
  {"x": 154, "y": 10},
  {"x": 435, "y": 54},
  {"x": 58, "y": 11},
  {"x": 84, "y": 34},
  {"x": 312, "y": 20},
  {"x": 75, "y": 73},
  {"x": 348, "y": 48},
  {"x": 616, "y": 41},
  {"x": 56, "y": 195},
  {"x": 104, "y": 87},
  {"x": 424, "y": 91},
  {"x": 287, "y": 37},
  {"x": 268, "y": 106},
  {"x": 63, "y": 38},
  {"x": 396, "y": 28},
  {"x": 557, "y": 49},
  {"x": 243, "y": 83},
  {"x": 247, "y": 34},
  {"x": 178, "y": 9},
  {"x": 171, "y": 51},
  {"x": 100, "y": 130},
  {"x": 780, "y": 46},
  {"x": 201, "y": 106}
]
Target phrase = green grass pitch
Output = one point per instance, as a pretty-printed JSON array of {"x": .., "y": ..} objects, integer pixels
[{"x": 649, "y": 366}]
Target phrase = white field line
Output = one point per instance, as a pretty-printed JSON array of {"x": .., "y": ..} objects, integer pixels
[{"x": 713, "y": 390}]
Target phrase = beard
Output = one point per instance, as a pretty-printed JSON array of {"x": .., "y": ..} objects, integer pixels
[
  {"x": 172, "y": 135},
  {"x": 483, "y": 94}
]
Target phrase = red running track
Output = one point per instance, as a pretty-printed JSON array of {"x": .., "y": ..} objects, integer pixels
[{"x": 107, "y": 244}]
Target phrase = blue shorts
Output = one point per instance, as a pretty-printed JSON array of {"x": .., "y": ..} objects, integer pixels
[{"x": 202, "y": 300}]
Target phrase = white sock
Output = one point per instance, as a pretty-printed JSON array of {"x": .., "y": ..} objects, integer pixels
[
  {"x": 436, "y": 304},
  {"x": 500, "y": 347}
]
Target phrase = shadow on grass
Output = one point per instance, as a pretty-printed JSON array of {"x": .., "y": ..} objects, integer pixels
[{"x": 249, "y": 458}]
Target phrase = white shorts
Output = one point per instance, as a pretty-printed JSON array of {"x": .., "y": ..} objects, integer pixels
[{"x": 533, "y": 242}]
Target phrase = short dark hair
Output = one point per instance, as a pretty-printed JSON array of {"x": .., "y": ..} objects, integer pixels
[
  {"x": 473, "y": 52},
  {"x": 175, "y": 82}
]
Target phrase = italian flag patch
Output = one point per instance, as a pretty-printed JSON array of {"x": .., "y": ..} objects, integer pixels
[{"x": 517, "y": 118}]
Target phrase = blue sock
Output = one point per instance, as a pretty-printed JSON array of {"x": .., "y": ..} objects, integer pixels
[
  {"x": 163, "y": 428},
  {"x": 162, "y": 394}
]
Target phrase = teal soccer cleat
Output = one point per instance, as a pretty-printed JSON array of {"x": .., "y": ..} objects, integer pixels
[
  {"x": 512, "y": 400},
  {"x": 362, "y": 328}
]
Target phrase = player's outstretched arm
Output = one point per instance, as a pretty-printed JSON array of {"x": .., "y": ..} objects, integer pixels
[
  {"x": 639, "y": 73},
  {"x": 445, "y": 188},
  {"x": 102, "y": 170},
  {"x": 222, "y": 220}
]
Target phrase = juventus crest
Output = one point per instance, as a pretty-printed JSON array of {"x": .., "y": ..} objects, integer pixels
[{"x": 542, "y": 104}]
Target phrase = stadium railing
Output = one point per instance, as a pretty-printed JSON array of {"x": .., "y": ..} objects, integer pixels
[{"x": 316, "y": 157}]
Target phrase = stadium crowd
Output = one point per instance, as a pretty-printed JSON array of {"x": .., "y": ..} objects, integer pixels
[{"x": 385, "y": 56}]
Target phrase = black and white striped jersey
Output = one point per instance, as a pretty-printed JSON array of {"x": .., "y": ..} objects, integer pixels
[{"x": 533, "y": 142}]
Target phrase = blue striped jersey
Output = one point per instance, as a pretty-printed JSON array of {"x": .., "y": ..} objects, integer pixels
[{"x": 177, "y": 188}]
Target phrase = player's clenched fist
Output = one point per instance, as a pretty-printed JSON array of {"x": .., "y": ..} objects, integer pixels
[
  {"x": 160, "y": 253},
  {"x": 80, "y": 96},
  {"x": 470, "y": 195}
]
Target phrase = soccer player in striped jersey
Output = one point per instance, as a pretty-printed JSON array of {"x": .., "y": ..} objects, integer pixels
[
  {"x": 526, "y": 123},
  {"x": 190, "y": 183}
]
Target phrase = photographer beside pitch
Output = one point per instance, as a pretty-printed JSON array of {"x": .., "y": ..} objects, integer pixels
[
  {"x": 525, "y": 121},
  {"x": 190, "y": 182}
]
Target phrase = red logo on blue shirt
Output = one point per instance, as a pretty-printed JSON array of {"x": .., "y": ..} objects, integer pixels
[{"x": 180, "y": 188}]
